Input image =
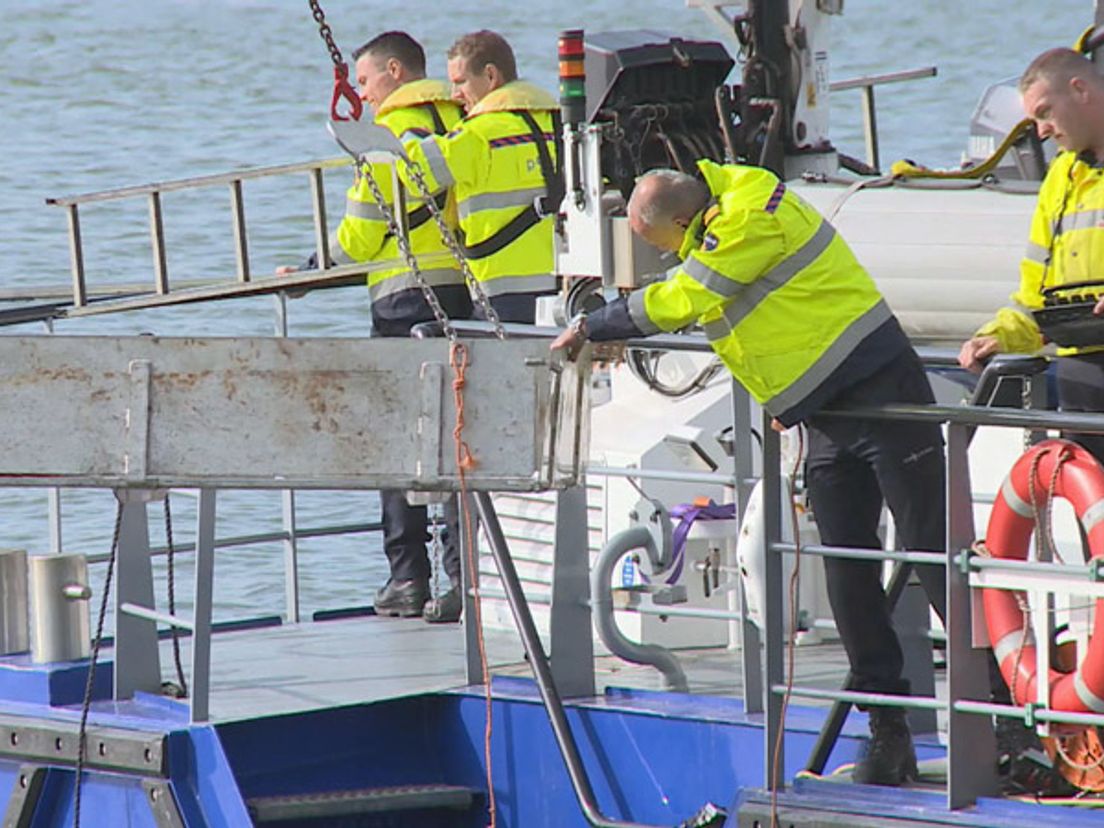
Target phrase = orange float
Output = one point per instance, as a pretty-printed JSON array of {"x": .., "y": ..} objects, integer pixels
[{"x": 1062, "y": 469}]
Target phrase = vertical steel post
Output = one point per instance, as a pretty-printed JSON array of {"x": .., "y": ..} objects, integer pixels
[
  {"x": 76, "y": 257},
  {"x": 157, "y": 240},
  {"x": 287, "y": 504},
  {"x": 467, "y": 512},
  {"x": 14, "y": 587},
  {"x": 570, "y": 640},
  {"x": 321, "y": 235},
  {"x": 742, "y": 470},
  {"x": 204, "y": 585},
  {"x": 870, "y": 127},
  {"x": 773, "y": 601},
  {"x": 137, "y": 658},
  {"x": 241, "y": 240},
  {"x": 53, "y": 494},
  {"x": 971, "y": 749}
]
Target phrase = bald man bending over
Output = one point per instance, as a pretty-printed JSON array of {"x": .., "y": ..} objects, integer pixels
[{"x": 800, "y": 323}]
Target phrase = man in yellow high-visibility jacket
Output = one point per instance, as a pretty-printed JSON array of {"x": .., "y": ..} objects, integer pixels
[
  {"x": 799, "y": 322},
  {"x": 501, "y": 164},
  {"x": 391, "y": 77},
  {"x": 1063, "y": 92}
]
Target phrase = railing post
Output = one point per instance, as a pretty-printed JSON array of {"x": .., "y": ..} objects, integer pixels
[
  {"x": 570, "y": 630},
  {"x": 742, "y": 470},
  {"x": 971, "y": 749},
  {"x": 137, "y": 658},
  {"x": 76, "y": 257},
  {"x": 467, "y": 512},
  {"x": 53, "y": 494},
  {"x": 204, "y": 583},
  {"x": 321, "y": 234},
  {"x": 774, "y": 748},
  {"x": 157, "y": 240},
  {"x": 287, "y": 504},
  {"x": 870, "y": 127},
  {"x": 241, "y": 239}
]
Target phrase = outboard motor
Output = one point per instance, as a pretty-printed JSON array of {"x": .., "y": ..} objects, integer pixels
[{"x": 997, "y": 113}]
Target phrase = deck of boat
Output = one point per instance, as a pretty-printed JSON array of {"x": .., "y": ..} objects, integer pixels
[{"x": 313, "y": 665}]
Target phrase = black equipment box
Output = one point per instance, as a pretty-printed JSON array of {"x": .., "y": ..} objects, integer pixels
[{"x": 1067, "y": 317}]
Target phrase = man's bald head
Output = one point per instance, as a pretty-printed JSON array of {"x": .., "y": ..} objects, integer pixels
[{"x": 662, "y": 205}]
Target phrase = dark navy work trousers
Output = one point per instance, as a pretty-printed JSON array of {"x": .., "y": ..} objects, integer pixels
[
  {"x": 1081, "y": 388},
  {"x": 406, "y": 527},
  {"x": 853, "y": 464}
]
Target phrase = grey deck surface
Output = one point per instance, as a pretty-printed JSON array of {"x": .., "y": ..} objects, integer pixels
[{"x": 312, "y": 665}]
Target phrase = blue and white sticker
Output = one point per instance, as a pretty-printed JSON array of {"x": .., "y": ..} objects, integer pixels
[{"x": 710, "y": 242}]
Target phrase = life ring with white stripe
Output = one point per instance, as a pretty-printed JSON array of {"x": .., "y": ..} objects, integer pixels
[{"x": 1070, "y": 472}]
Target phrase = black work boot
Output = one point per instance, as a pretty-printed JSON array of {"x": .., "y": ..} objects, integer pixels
[
  {"x": 402, "y": 599},
  {"x": 446, "y": 608},
  {"x": 890, "y": 758}
]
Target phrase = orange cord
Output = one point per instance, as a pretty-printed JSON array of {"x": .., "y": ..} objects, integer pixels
[{"x": 465, "y": 462}]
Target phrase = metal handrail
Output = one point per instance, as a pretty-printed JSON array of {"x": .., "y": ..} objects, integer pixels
[
  {"x": 152, "y": 192},
  {"x": 963, "y": 786}
]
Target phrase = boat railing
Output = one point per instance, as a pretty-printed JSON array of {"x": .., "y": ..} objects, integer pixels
[
  {"x": 865, "y": 85},
  {"x": 153, "y": 192},
  {"x": 971, "y": 772}
]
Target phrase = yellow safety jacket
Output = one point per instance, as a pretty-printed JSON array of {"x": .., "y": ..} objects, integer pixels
[
  {"x": 1066, "y": 244},
  {"x": 782, "y": 298},
  {"x": 492, "y": 163},
  {"x": 413, "y": 111}
]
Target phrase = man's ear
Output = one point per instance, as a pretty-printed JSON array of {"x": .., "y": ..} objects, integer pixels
[
  {"x": 1079, "y": 89},
  {"x": 491, "y": 73},
  {"x": 394, "y": 68}
]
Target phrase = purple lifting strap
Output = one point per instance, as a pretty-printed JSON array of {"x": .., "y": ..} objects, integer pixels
[{"x": 687, "y": 514}]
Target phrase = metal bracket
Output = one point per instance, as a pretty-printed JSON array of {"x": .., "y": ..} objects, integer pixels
[
  {"x": 135, "y": 461},
  {"x": 24, "y": 796},
  {"x": 430, "y": 422},
  {"x": 166, "y": 813},
  {"x": 963, "y": 559},
  {"x": 111, "y": 749},
  {"x": 1096, "y": 570},
  {"x": 1029, "y": 714}
]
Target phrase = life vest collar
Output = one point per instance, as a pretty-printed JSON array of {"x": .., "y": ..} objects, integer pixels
[
  {"x": 695, "y": 233},
  {"x": 426, "y": 90},
  {"x": 514, "y": 95}
]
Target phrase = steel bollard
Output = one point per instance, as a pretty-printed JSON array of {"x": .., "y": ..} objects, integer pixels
[
  {"x": 59, "y": 608},
  {"x": 14, "y": 625}
]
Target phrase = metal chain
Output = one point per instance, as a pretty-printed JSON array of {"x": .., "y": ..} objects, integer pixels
[
  {"x": 182, "y": 683},
  {"x": 408, "y": 255},
  {"x": 435, "y": 550},
  {"x": 326, "y": 33},
  {"x": 418, "y": 177}
]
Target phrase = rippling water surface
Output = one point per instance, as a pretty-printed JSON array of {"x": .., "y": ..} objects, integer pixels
[{"x": 99, "y": 94}]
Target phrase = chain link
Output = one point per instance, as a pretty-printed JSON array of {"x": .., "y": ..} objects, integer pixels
[
  {"x": 418, "y": 177},
  {"x": 326, "y": 33},
  {"x": 403, "y": 242},
  {"x": 435, "y": 510}
]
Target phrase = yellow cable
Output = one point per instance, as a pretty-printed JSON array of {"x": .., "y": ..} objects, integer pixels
[{"x": 907, "y": 169}]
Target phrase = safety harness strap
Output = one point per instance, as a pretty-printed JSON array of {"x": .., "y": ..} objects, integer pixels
[{"x": 533, "y": 214}]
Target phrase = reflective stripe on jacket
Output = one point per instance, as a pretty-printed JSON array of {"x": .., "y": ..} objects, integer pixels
[
  {"x": 1066, "y": 244},
  {"x": 492, "y": 164},
  {"x": 782, "y": 299},
  {"x": 363, "y": 235}
]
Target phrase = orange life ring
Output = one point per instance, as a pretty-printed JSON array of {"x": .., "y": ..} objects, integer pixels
[{"x": 1080, "y": 480}]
